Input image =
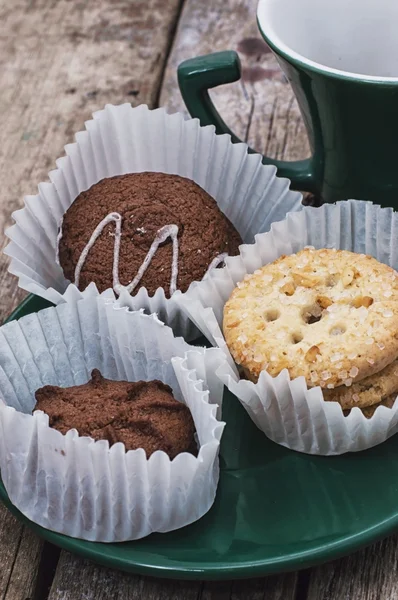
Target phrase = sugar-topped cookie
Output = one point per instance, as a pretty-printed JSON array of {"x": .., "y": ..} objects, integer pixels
[
  {"x": 328, "y": 315},
  {"x": 369, "y": 391}
]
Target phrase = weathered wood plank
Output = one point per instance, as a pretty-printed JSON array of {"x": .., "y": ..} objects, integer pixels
[
  {"x": 60, "y": 61},
  {"x": 371, "y": 574},
  {"x": 20, "y": 552},
  {"x": 268, "y": 588},
  {"x": 261, "y": 108},
  {"x": 76, "y": 578}
]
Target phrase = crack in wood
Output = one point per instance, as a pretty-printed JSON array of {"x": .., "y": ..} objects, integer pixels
[
  {"x": 19, "y": 558},
  {"x": 303, "y": 582},
  {"x": 46, "y": 571},
  {"x": 172, "y": 32},
  {"x": 244, "y": 89},
  {"x": 270, "y": 126},
  {"x": 250, "y": 118},
  {"x": 12, "y": 563}
]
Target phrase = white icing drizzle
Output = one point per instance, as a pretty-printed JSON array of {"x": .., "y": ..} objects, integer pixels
[
  {"x": 216, "y": 261},
  {"x": 59, "y": 236},
  {"x": 161, "y": 236},
  {"x": 95, "y": 235}
]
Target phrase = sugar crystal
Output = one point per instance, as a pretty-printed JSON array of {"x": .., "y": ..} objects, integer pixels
[{"x": 336, "y": 357}]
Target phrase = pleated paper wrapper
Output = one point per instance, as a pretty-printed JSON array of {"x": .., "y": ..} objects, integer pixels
[
  {"x": 82, "y": 488},
  {"x": 285, "y": 409},
  {"x": 122, "y": 139}
]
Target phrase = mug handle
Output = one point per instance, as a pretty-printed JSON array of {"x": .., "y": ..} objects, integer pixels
[{"x": 197, "y": 75}]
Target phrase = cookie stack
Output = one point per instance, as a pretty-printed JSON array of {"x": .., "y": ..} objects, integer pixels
[{"x": 328, "y": 315}]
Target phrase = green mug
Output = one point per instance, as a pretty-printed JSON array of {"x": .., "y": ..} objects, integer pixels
[{"x": 341, "y": 59}]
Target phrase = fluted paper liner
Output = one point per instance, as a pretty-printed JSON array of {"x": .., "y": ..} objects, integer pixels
[
  {"x": 122, "y": 139},
  {"x": 284, "y": 409},
  {"x": 82, "y": 488}
]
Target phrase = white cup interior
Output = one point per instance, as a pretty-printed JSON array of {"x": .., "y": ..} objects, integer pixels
[{"x": 355, "y": 37}]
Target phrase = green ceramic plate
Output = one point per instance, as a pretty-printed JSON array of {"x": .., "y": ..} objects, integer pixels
[{"x": 276, "y": 510}]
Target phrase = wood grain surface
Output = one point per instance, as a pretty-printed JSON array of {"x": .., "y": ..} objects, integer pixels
[
  {"x": 75, "y": 576},
  {"x": 371, "y": 574},
  {"x": 20, "y": 553}
]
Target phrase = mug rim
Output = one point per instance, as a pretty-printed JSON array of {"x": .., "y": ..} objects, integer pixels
[{"x": 282, "y": 49}]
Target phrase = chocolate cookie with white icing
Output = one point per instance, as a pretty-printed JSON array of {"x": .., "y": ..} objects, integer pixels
[{"x": 144, "y": 230}]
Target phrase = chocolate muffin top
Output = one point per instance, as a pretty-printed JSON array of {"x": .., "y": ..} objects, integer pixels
[
  {"x": 144, "y": 230},
  {"x": 140, "y": 414}
]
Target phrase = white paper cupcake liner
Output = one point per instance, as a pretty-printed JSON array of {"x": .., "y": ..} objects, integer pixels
[
  {"x": 286, "y": 410},
  {"x": 122, "y": 139},
  {"x": 82, "y": 488}
]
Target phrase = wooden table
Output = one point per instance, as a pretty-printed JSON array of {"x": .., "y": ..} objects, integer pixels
[{"x": 60, "y": 60}]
